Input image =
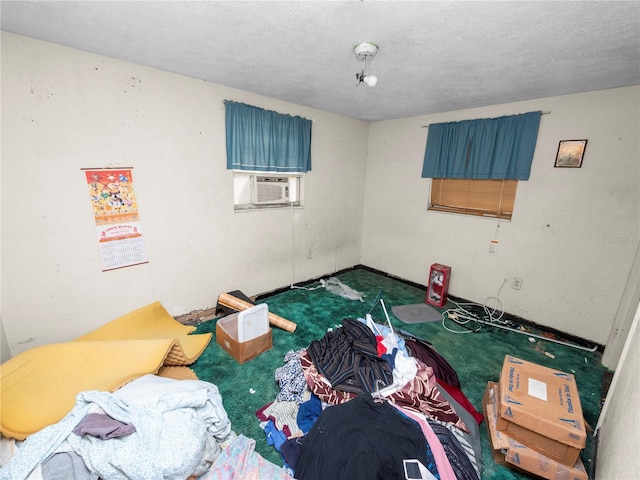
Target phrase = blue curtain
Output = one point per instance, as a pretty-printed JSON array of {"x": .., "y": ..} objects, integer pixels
[
  {"x": 266, "y": 141},
  {"x": 490, "y": 148}
]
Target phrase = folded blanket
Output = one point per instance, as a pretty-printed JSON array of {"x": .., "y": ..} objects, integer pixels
[{"x": 39, "y": 385}]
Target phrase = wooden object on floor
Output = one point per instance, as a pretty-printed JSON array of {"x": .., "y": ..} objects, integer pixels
[{"x": 240, "y": 305}]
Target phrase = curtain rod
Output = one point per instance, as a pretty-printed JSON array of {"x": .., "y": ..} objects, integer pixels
[{"x": 427, "y": 125}]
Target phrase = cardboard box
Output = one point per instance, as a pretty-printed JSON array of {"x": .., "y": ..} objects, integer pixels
[
  {"x": 509, "y": 452},
  {"x": 529, "y": 460},
  {"x": 227, "y": 338},
  {"x": 549, "y": 447},
  {"x": 541, "y": 407},
  {"x": 490, "y": 410}
]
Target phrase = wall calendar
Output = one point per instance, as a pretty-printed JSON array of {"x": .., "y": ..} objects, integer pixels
[{"x": 115, "y": 213}]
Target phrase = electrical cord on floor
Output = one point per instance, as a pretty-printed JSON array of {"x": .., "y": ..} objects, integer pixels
[
  {"x": 463, "y": 316},
  {"x": 451, "y": 315},
  {"x": 309, "y": 289},
  {"x": 499, "y": 304},
  {"x": 455, "y": 314}
]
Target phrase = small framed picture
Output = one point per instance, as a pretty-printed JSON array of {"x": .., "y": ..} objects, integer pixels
[{"x": 570, "y": 153}]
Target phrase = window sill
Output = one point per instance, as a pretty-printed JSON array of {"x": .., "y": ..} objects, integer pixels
[
  {"x": 250, "y": 207},
  {"x": 473, "y": 213}
]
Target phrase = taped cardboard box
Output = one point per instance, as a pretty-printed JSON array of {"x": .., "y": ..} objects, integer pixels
[
  {"x": 541, "y": 407},
  {"x": 509, "y": 452},
  {"x": 549, "y": 447},
  {"x": 227, "y": 338},
  {"x": 496, "y": 438}
]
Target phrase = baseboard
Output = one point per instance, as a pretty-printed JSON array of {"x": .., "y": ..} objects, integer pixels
[{"x": 515, "y": 319}]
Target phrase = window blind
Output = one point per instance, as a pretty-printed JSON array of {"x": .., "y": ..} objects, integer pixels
[{"x": 490, "y": 198}]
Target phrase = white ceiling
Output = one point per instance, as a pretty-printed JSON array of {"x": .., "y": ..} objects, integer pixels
[{"x": 434, "y": 56}]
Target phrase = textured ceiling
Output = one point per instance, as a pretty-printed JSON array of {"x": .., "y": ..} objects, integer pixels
[{"x": 434, "y": 56}]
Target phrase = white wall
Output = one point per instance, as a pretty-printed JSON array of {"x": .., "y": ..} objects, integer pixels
[
  {"x": 618, "y": 429},
  {"x": 574, "y": 231},
  {"x": 63, "y": 110},
  {"x": 624, "y": 316},
  {"x": 5, "y": 351},
  {"x": 572, "y": 238}
]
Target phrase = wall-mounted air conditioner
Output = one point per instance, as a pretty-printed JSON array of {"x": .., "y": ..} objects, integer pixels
[{"x": 265, "y": 190}]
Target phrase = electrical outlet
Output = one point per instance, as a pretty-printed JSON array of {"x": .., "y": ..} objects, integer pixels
[{"x": 516, "y": 284}]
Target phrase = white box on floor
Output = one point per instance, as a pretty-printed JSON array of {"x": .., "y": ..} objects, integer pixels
[
  {"x": 228, "y": 334},
  {"x": 253, "y": 322}
]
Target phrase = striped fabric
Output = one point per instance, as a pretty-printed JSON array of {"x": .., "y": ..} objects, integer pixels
[
  {"x": 462, "y": 439},
  {"x": 284, "y": 414},
  {"x": 348, "y": 358},
  {"x": 459, "y": 456},
  {"x": 420, "y": 395}
]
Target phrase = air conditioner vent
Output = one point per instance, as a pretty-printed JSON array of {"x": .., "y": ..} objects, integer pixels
[{"x": 269, "y": 190}]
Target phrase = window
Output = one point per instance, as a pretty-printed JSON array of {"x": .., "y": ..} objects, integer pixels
[
  {"x": 260, "y": 190},
  {"x": 475, "y": 165},
  {"x": 487, "y": 198},
  {"x": 268, "y": 153}
]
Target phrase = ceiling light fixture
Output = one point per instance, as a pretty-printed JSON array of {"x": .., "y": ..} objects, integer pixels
[{"x": 365, "y": 52}]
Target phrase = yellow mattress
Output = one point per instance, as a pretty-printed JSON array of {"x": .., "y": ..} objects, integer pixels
[{"x": 39, "y": 386}]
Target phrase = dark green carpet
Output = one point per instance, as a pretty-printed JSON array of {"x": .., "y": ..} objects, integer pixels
[{"x": 476, "y": 357}]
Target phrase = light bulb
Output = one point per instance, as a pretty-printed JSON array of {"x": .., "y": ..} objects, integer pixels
[{"x": 371, "y": 80}]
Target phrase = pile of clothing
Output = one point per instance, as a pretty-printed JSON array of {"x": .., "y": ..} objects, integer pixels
[
  {"x": 152, "y": 428},
  {"x": 364, "y": 402}
]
